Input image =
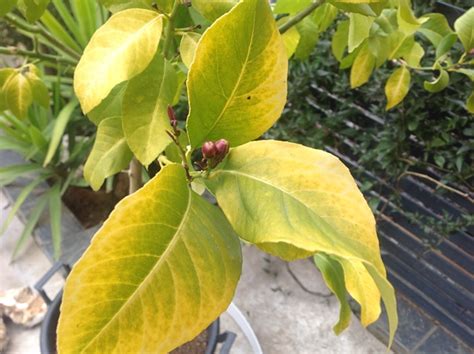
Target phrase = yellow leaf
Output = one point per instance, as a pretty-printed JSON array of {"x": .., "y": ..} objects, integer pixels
[
  {"x": 18, "y": 94},
  {"x": 159, "y": 271},
  {"x": 5, "y": 74},
  {"x": 188, "y": 46},
  {"x": 397, "y": 86},
  {"x": 119, "y": 50},
  {"x": 237, "y": 82},
  {"x": 362, "y": 67},
  {"x": 213, "y": 9}
]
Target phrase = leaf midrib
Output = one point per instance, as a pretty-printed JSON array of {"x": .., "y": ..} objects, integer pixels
[{"x": 157, "y": 265}]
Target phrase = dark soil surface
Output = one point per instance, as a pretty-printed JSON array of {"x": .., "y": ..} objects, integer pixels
[
  {"x": 196, "y": 346},
  {"x": 92, "y": 208}
]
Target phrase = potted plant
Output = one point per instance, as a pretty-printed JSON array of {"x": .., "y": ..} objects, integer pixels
[{"x": 165, "y": 248}]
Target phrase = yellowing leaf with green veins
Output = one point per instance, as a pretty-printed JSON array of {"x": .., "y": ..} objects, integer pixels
[
  {"x": 188, "y": 46},
  {"x": 213, "y": 9},
  {"x": 397, "y": 86},
  {"x": 144, "y": 109},
  {"x": 407, "y": 21},
  {"x": 18, "y": 94},
  {"x": 6, "y": 6},
  {"x": 359, "y": 28},
  {"x": 119, "y": 50},
  {"x": 110, "y": 153},
  {"x": 32, "y": 9},
  {"x": 464, "y": 27},
  {"x": 159, "y": 271},
  {"x": 333, "y": 275},
  {"x": 312, "y": 204},
  {"x": 5, "y": 74},
  {"x": 414, "y": 54},
  {"x": 237, "y": 83},
  {"x": 120, "y": 5},
  {"x": 362, "y": 67}
]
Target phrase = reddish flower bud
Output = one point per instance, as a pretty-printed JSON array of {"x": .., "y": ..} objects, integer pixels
[
  {"x": 222, "y": 147},
  {"x": 209, "y": 150},
  {"x": 171, "y": 114}
]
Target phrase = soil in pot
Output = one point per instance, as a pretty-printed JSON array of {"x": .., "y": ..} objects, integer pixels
[{"x": 196, "y": 346}]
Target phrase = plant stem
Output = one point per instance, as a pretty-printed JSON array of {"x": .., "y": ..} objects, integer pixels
[
  {"x": 37, "y": 55},
  {"x": 184, "y": 160},
  {"x": 134, "y": 176},
  {"x": 300, "y": 16},
  {"x": 169, "y": 31},
  {"x": 55, "y": 43}
]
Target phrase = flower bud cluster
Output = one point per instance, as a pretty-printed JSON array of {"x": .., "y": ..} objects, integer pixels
[{"x": 214, "y": 152}]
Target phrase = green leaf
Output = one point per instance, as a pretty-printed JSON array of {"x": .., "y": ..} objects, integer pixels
[
  {"x": 110, "y": 153},
  {"x": 470, "y": 103},
  {"x": 339, "y": 40},
  {"x": 446, "y": 44},
  {"x": 30, "y": 225},
  {"x": 58, "y": 131},
  {"x": 397, "y": 86},
  {"x": 238, "y": 80},
  {"x": 414, "y": 54},
  {"x": 120, "y": 5},
  {"x": 85, "y": 12},
  {"x": 165, "y": 5},
  {"x": 5, "y": 74},
  {"x": 309, "y": 37},
  {"x": 333, "y": 275},
  {"x": 145, "y": 104},
  {"x": 6, "y": 6},
  {"x": 361, "y": 7},
  {"x": 291, "y": 6},
  {"x": 9, "y": 173},
  {"x": 121, "y": 49},
  {"x": 32, "y": 9},
  {"x": 435, "y": 28},
  {"x": 55, "y": 203},
  {"x": 464, "y": 27},
  {"x": 359, "y": 28},
  {"x": 324, "y": 16},
  {"x": 407, "y": 22},
  {"x": 20, "y": 199},
  {"x": 468, "y": 72},
  {"x": 18, "y": 94},
  {"x": 380, "y": 49},
  {"x": 71, "y": 24},
  {"x": 150, "y": 263},
  {"x": 213, "y": 9},
  {"x": 111, "y": 106},
  {"x": 188, "y": 46},
  {"x": 439, "y": 84},
  {"x": 312, "y": 204},
  {"x": 59, "y": 31},
  {"x": 362, "y": 67}
]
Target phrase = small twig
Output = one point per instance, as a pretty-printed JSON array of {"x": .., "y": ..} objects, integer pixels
[
  {"x": 169, "y": 30},
  {"x": 300, "y": 16},
  {"x": 438, "y": 183},
  {"x": 134, "y": 176},
  {"x": 304, "y": 288},
  {"x": 182, "y": 153}
]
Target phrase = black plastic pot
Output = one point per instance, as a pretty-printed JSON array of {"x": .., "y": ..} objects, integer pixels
[{"x": 50, "y": 322}]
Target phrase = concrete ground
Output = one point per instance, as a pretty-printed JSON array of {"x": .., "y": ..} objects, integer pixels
[
  {"x": 286, "y": 318},
  {"x": 25, "y": 271}
]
